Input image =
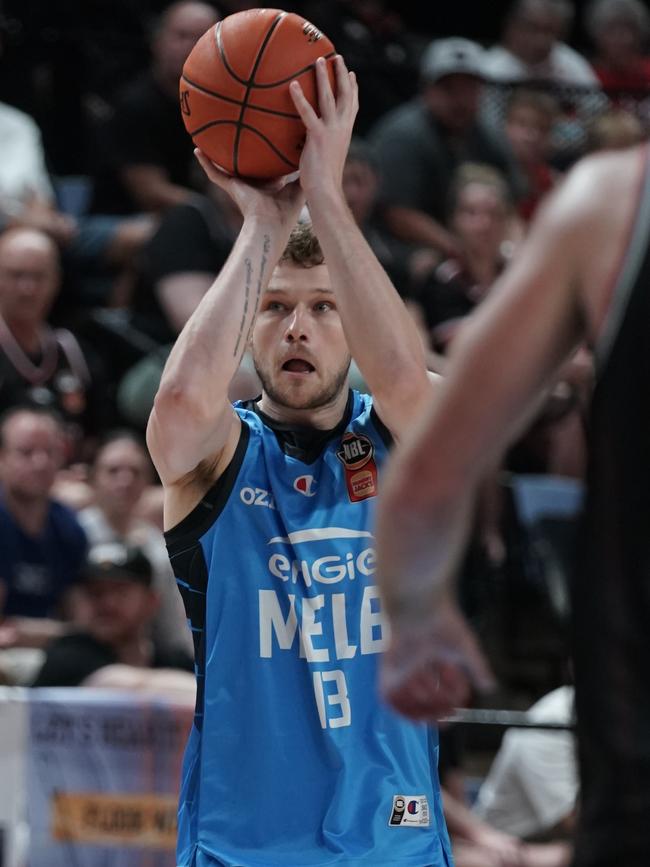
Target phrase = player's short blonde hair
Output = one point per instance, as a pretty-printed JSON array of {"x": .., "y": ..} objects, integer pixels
[{"x": 303, "y": 248}]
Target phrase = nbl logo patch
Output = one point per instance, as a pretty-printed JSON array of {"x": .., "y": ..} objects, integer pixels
[
  {"x": 356, "y": 453},
  {"x": 410, "y": 811}
]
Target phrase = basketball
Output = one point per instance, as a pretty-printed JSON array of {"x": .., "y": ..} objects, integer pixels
[{"x": 234, "y": 90}]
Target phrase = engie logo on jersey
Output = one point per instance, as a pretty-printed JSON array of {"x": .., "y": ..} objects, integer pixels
[
  {"x": 356, "y": 453},
  {"x": 410, "y": 811}
]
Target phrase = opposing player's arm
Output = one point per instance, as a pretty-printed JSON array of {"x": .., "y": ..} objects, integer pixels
[
  {"x": 502, "y": 360},
  {"x": 381, "y": 334}
]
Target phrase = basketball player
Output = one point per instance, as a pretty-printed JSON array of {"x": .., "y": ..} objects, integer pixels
[
  {"x": 583, "y": 273},
  {"x": 292, "y": 759}
]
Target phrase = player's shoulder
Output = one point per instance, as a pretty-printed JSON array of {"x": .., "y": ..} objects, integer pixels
[
  {"x": 595, "y": 196},
  {"x": 249, "y": 415},
  {"x": 596, "y": 178}
]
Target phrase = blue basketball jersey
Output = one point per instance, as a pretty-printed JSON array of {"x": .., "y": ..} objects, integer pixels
[{"x": 293, "y": 760}]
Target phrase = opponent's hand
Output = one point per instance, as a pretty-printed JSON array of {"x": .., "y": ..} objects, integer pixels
[
  {"x": 281, "y": 199},
  {"x": 328, "y": 136},
  {"x": 433, "y": 664}
]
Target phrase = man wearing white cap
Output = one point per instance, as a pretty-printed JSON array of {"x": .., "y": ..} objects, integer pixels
[{"x": 420, "y": 144}]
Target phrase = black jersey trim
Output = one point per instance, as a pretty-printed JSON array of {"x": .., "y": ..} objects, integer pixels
[
  {"x": 206, "y": 512},
  {"x": 303, "y": 443},
  {"x": 629, "y": 271},
  {"x": 384, "y": 434}
]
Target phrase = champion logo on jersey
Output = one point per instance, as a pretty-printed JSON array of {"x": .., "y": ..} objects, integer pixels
[
  {"x": 409, "y": 810},
  {"x": 305, "y": 485}
]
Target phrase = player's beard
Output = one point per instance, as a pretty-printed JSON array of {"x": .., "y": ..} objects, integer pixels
[{"x": 286, "y": 397}]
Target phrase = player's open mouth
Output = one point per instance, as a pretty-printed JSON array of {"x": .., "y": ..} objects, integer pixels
[{"x": 298, "y": 365}]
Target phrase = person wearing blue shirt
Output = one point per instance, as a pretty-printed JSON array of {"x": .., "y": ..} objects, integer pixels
[
  {"x": 292, "y": 759},
  {"x": 42, "y": 545}
]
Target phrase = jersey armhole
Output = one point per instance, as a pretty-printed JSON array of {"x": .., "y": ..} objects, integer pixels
[
  {"x": 384, "y": 434},
  {"x": 206, "y": 512}
]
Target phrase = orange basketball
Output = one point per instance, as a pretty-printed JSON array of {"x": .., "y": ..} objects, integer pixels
[{"x": 234, "y": 90}]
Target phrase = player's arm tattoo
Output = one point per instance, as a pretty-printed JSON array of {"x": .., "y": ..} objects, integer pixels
[{"x": 241, "y": 344}]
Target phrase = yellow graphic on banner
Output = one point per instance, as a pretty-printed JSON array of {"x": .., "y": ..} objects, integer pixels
[{"x": 143, "y": 821}]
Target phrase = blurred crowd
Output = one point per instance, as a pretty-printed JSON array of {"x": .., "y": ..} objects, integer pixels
[{"x": 110, "y": 235}]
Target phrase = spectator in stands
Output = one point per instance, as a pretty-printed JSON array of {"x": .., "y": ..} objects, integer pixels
[
  {"x": 26, "y": 194},
  {"x": 42, "y": 545},
  {"x": 119, "y": 476},
  {"x": 532, "y": 46},
  {"x": 476, "y": 843},
  {"x": 480, "y": 208},
  {"x": 27, "y": 200},
  {"x": 532, "y": 785},
  {"x": 148, "y": 153},
  {"x": 181, "y": 261},
  {"x": 529, "y": 121},
  {"x": 613, "y": 130},
  {"x": 361, "y": 183},
  {"x": 619, "y": 30},
  {"x": 377, "y": 45},
  {"x": 112, "y": 625},
  {"x": 420, "y": 144},
  {"x": 39, "y": 364}
]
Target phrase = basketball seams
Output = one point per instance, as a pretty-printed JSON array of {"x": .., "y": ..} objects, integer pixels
[
  {"x": 293, "y": 76},
  {"x": 235, "y": 148},
  {"x": 222, "y": 53},
  {"x": 252, "y": 129},
  {"x": 238, "y": 102}
]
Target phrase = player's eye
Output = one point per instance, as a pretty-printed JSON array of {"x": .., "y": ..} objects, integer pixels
[
  {"x": 275, "y": 305},
  {"x": 323, "y": 306}
]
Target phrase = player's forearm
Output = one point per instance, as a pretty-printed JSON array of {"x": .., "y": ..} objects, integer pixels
[
  {"x": 210, "y": 347},
  {"x": 420, "y": 537},
  {"x": 382, "y": 336}
]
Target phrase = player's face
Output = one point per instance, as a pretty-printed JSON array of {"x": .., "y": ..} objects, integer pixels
[{"x": 299, "y": 348}]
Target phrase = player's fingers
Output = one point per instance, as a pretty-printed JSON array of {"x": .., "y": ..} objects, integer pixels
[
  {"x": 354, "y": 87},
  {"x": 432, "y": 707},
  {"x": 214, "y": 173},
  {"x": 343, "y": 83},
  {"x": 307, "y": 114},
  {"x": 326, "y": 101}
]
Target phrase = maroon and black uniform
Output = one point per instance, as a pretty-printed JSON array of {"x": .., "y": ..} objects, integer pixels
[{"x": 612, "y": 583}]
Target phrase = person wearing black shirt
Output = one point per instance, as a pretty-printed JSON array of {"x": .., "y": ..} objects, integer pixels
[
  {"x": 146, "y": 154},
  {"x": 116, "y": 606}
]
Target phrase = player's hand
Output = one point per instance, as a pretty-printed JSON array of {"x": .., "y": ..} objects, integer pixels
[
  {"x": 433, "y": 664},
  {"x": 281, "y": 199},
  {"x": 328, "y": 136}
]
